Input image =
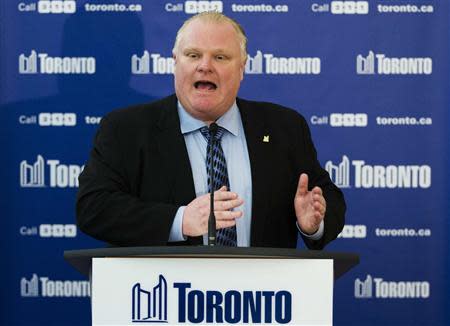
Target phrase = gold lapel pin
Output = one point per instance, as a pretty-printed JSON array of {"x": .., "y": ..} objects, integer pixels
[{"x": 266, "y": 139}]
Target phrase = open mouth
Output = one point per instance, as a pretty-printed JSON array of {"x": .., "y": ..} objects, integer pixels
[{"x": 205, "y": 85}]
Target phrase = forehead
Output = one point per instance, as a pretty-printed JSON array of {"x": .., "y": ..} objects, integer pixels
[{"x": 211, "y": 35}]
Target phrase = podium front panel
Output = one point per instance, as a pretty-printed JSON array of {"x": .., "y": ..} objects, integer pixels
[{"x": 177, "y": 291}]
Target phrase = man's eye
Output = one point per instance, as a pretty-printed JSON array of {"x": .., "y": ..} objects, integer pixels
[
  {"x": 220, "y": 57},
  {"x": 192, "y": 55}
]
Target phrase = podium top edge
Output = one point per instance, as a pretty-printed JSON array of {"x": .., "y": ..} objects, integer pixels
[
  {"x": 82, "y": 259},
  {"x": 205, "y": 251}
]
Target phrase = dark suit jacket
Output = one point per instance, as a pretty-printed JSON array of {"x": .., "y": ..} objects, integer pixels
[{"x": 139, "y": 174}]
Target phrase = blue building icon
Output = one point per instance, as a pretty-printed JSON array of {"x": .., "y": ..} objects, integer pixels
[{"x": 150, "y": 306}]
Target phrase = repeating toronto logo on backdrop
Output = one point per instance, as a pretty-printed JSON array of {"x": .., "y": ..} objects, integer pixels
[
  {"x": 32, "y": 175},
  {"x": 379, "y": 63},
  {"x": 377, "y": 287},
  {"x": 42, "y": 63},
  {"x": 378, "y": 176},
  {"x": 43, "y": 286},
  {"x": 261, "y": 63},
  {"x": 267, "y": 63},
  {"x": 150, "y": 304},
  {"x": 153, "y": 63}
]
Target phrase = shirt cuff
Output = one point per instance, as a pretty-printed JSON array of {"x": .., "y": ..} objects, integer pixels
[
  {"x": 176, "y": 232},
  {"x": 316, "y": 236}
]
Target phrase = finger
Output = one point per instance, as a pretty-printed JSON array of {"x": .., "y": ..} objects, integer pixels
[
  {"x": 227, "y": 215},
  {"x": 318, "y": 217},
  {"x": 320, "y": 199},
  {"x": 223, "y": 188},
  {"x": 224, "y": 195},
  {"x": 317, "y": 191},
  {"x": 225, "y": 224},
  {"x": 225, "y": 205},
  {"x": 318, "y": 207},
  {"x": 302, "y": 187}
]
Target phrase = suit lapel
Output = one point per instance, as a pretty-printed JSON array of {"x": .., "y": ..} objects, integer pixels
[
  {"x": 260, "y": 154},
  {"x": 173, "y": 150}
]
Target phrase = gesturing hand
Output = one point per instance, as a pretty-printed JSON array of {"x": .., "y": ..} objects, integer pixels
[
  {"x": 310, "y": 206},
  {"x": 196, "y": 213}
]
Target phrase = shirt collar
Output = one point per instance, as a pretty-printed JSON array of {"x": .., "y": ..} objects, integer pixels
[{"x": 229, "y": 121}]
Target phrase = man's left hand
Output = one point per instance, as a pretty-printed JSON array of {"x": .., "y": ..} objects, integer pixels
[{"x": 310, "y": 206}]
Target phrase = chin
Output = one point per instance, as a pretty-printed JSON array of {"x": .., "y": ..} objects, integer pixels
[
  {"x": 204, "y": 105},
  {"x": 205, "y": 115}
]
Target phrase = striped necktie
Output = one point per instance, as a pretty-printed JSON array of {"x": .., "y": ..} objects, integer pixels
[{"x": 226, "y": 236}]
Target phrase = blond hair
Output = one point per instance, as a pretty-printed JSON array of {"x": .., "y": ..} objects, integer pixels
[{"x": 218, "y": 18}]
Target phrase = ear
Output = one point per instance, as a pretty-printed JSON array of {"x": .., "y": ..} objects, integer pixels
[
  {"x": 242, "y": 70},
  {"x": 174, "y": 56}
]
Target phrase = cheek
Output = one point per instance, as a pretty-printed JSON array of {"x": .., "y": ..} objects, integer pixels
[
  {"x": 182, "y": 82},
  {"x": 181, "y": 74},
  {"x": 235, "y": 80},
  {"x": 230, "y": 78}
]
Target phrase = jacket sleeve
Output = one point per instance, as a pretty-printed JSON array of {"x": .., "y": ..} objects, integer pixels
[{"x": 107, "y": 207}]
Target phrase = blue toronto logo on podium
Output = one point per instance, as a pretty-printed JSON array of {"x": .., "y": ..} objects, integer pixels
[
  {"x": 210, "y": 306},
  {"x": 150, "y": 306}
]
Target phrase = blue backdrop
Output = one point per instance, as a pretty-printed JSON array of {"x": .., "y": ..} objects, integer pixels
[{"x": 371, "y": 77}]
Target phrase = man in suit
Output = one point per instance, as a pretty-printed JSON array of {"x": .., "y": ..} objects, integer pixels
[{"x": 146, "y": 181}]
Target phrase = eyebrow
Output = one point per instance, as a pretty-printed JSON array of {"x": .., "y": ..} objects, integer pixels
[
  {"x": 199, "y": 50},
  {"x": 191, "y": 49}
]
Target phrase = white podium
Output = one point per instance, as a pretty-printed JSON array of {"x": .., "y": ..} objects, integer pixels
[{"x": 211, "y": 285}]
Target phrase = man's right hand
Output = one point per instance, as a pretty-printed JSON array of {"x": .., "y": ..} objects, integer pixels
[{"x": 196, "y": 213}]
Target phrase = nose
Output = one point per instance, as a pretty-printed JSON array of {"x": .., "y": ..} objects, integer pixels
[{"x": 205, "y": 65}]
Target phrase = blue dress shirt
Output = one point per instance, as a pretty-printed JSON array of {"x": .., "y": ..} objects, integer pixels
[{"x": 235, "y": 149}]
